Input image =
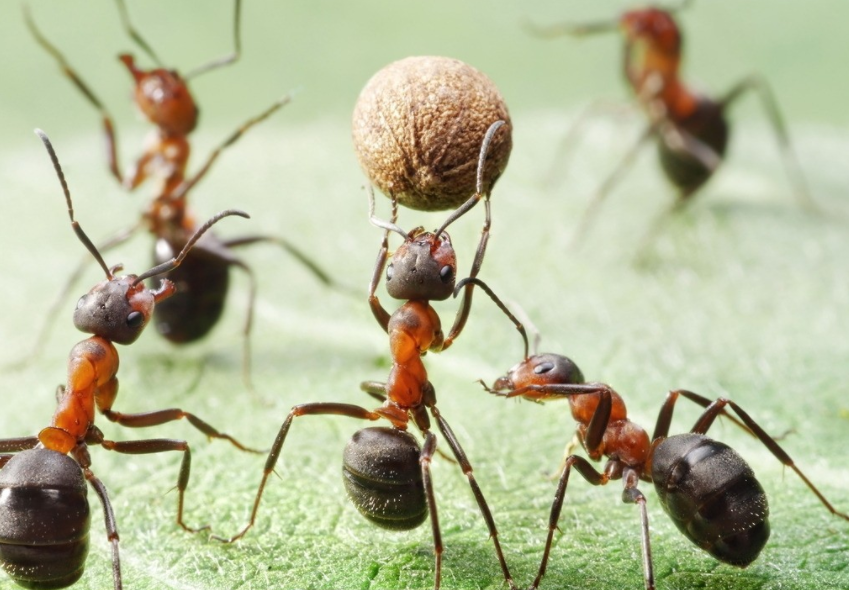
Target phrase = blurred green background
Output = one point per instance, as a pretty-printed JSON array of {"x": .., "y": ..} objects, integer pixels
[{"x": 743, "y": 295}]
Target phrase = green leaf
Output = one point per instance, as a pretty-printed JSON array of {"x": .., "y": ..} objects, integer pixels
[{"x": 743, "y": 294}]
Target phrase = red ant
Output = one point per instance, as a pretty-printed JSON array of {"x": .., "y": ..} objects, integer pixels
[
  {"x": 706, "y": 488},
  {"x": 163, "y": 96},
  {"x": 691, "y": 129},
  {"x": 386, "y": 472},
  {"x": 44, "y": 513}
]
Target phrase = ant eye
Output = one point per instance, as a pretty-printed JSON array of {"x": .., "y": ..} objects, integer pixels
[
  {"x": 446, "y": 274},
  {"x": 390, "y": 271},
  {"x": 135, "y": 319},
  {"x": 543, "y": 367},
  {"x": 81, "y": 302}
]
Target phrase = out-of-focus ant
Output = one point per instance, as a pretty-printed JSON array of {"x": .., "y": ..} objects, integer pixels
[
  {"x": 44, "y": 513},
  {"x": 163, "y": 96},
  {"x": 386, "y": 472},
  {"x": 706, "y": 488},
  {"x": 691, "y": 129}
]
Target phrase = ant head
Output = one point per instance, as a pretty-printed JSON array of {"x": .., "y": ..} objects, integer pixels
[
  {"x": 164, "y": 98},
  {"x": 118, "y": 308},
  {"x": 541, "y": 369},
  {"x": 423, "y": 267},
  {"x": 654, "y": 27}
]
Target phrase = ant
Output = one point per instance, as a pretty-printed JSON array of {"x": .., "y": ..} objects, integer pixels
[
  {"x": 386, "y": 472},
  {"x": 163, "y": 96},
  {"x": 706, "y": 488},
  {"x": 44, "y": 513},
  {"x": 691, "y": 129}
]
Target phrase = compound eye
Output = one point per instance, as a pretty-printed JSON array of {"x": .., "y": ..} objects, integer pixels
[
  {"x": 135, "y": 319},
  {"x": 81, "y": 302},
  {"x": 543, "y": 367},
  {"x": 446, "y": 273},
  {"x": 390, "y": 272}
]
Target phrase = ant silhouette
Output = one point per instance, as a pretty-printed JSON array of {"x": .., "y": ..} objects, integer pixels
[
  {"x": 386, "y": 472},
  {"x": 705, "y": 486},
  {"x": 44, "y": 513},
  {"x": 691, "y": 129},
  {"x": 163, "y": 96}
]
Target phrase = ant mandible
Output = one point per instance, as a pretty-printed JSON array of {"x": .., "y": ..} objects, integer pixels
[
  {"x": 163, "y": 96},
  {"x": 386, "y": 472},
  {"x": 691, "y": 129},
  {"x": 44, "y": 513},
  {"x": 706, "y": 488}
]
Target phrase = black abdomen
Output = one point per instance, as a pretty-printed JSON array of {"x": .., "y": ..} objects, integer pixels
[
  {"x": 201, "y": 280},
  {"x": 712, "y": 496},
  {"x": 44, "y": 519},
  {"x": 383, "y": 477},
  {"x": 708, "y": 125}
]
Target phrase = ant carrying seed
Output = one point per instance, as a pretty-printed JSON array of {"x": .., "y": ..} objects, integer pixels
[{"x": 386, "y": 473}]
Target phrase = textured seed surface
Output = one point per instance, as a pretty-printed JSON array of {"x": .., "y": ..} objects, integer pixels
[{"x": 418, "y": 126}]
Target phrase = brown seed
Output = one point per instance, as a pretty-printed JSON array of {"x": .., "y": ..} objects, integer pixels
[{"x": 418, "y": 126}]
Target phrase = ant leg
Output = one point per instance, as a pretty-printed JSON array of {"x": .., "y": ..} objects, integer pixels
[
  {"x": 519, "y": 326},
  {"x": 187, "y": 185},
  {"x": 566, "y": 148},
  {"x": 425, "y": 458},
  {"x": 336, "y": 409},
  {"x": 248, "y": 325},
  {"x": 631, "y": 495},
  {"x": 378, "y": 311},
  {"x": 111, "y": 527},
  {"x": 319, "y": 273},
  {"x": 227, "y": 59},
  {"x": 108, "y": 126},
  {"x": 134, "y": 35},
  {"x": 664, "y": 418},
  {"x": 770, "y": 105},
  {"x": 481, "y": 192},
  {"x": 592, "y": 476},
  {"x": 687, "y": 144},
  {"x": 715, "y": 409},
  {"x": 605, "y": 188},
  {"x": 13, "y": 445},
  {"x": 145, "y": 419},
  {"x": 479, "y": 497},
  {"x": 551, "y": 390},
  {"x": 53, "y": 311},
  {"x": 162, "y": 445},
  {"x": 375, "y": 389},
  {"x": 568, "y": 450}
]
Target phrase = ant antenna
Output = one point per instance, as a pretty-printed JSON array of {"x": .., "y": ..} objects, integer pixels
[
  {"x": 227, "y": 59},
  {"x": 570, "y": 29},
  {"x": 175, "y": 262},
  {"x": 587, "y": 29},
  {"x": 387, "y": 225},
  {"x": 479, "y": 193},
  {"x": 74, "y": 224},
  {"x": 521, "y": 328},
  {"x": 134, "y": 35},
  {"x": 523, "y": 317}
]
